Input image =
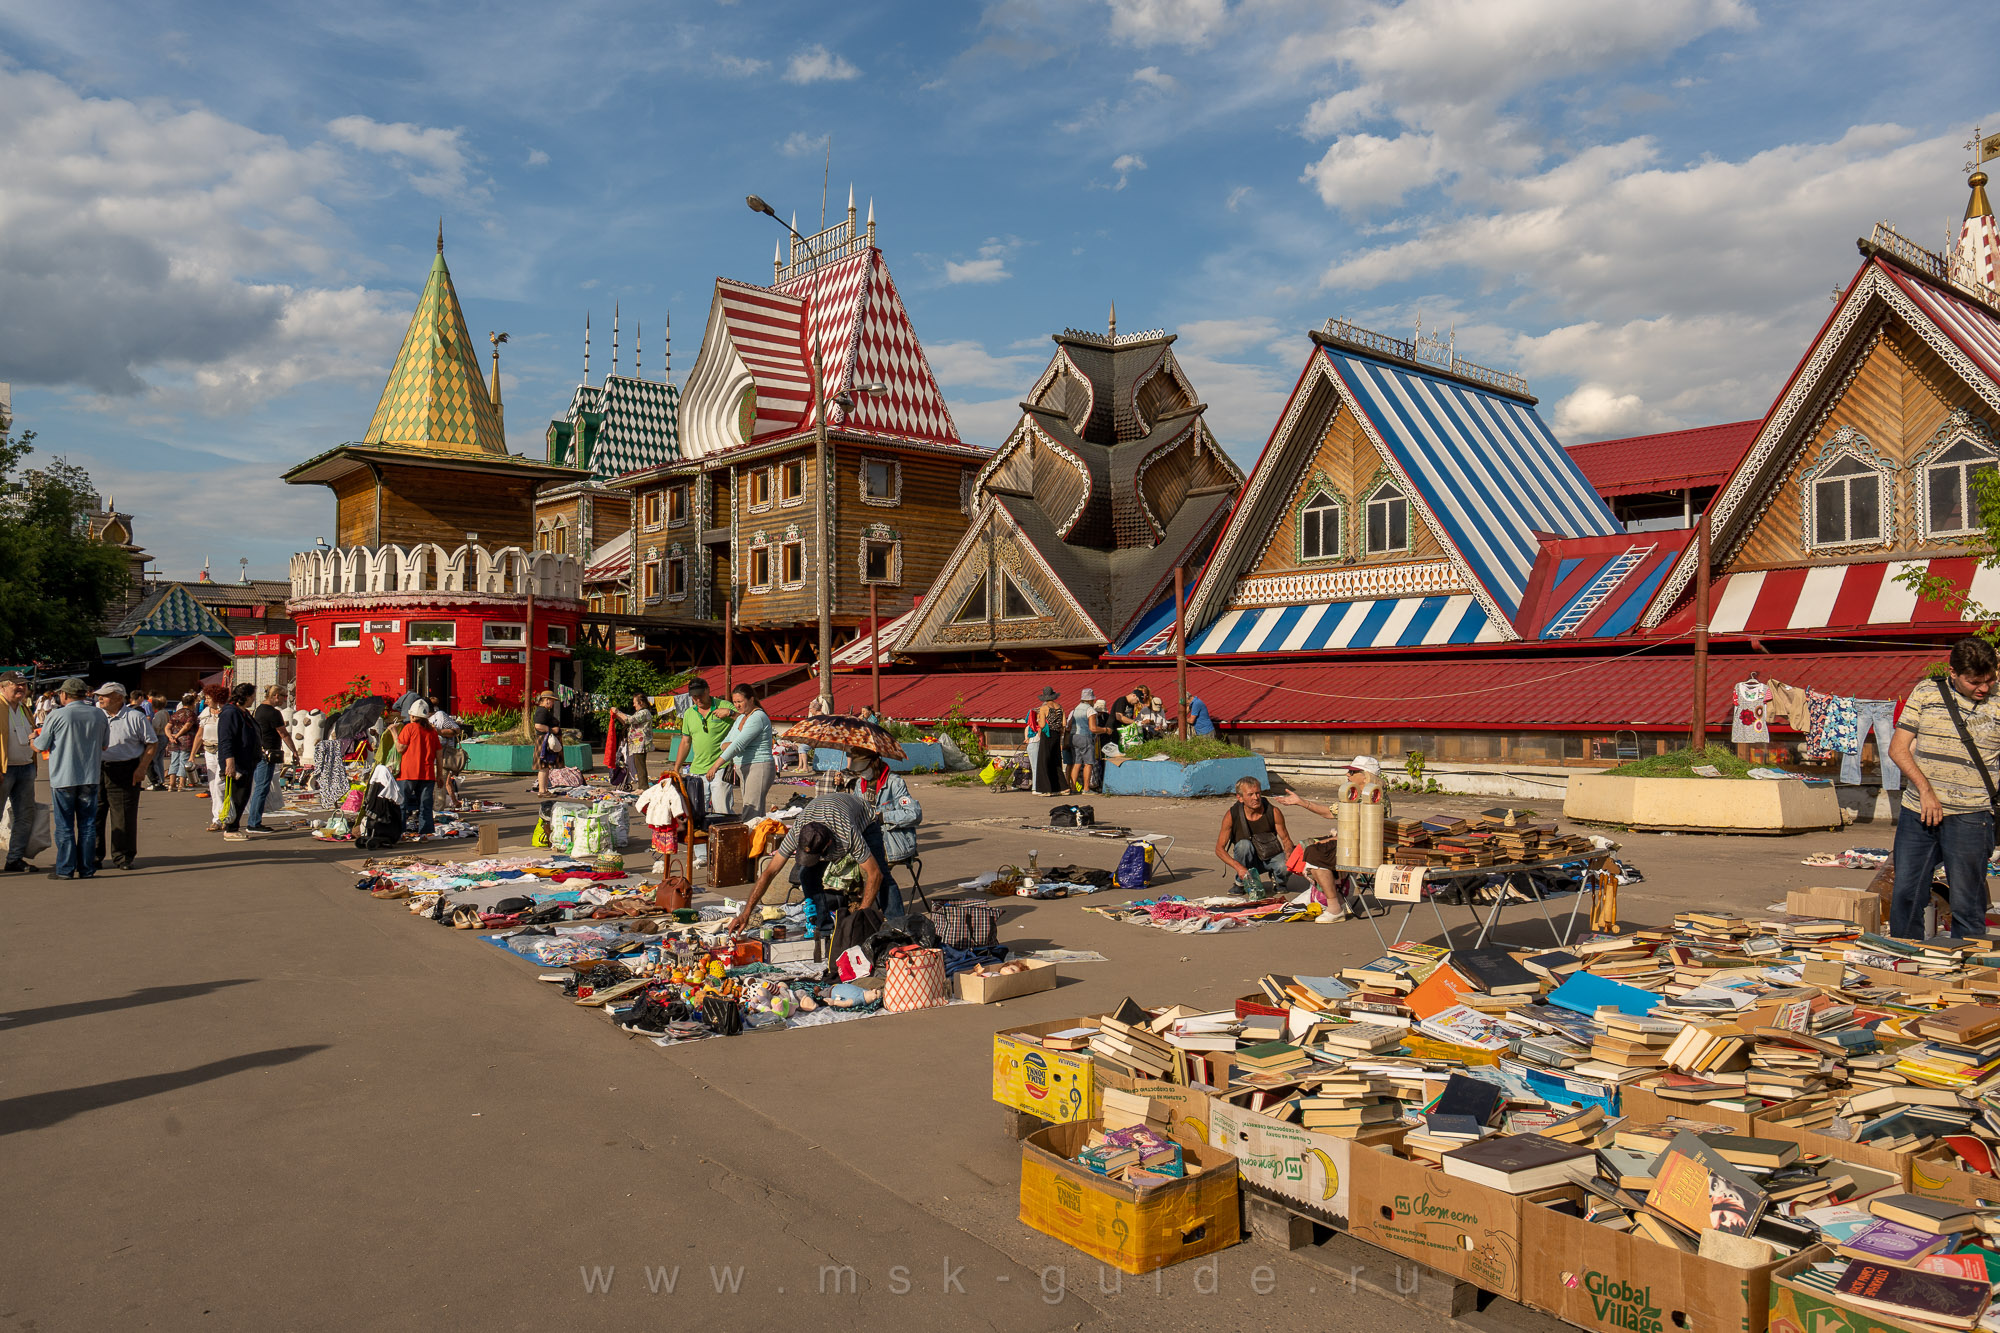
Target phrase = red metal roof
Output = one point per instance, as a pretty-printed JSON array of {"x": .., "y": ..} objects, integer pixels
[
  {"x": 1645, "y": 692},
  {"x": 751, "y": 673},
  {"x": 1669, "y": 461}
]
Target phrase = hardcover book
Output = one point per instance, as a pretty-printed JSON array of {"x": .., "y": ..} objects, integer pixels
[{"x": 1696, "y": 1188}]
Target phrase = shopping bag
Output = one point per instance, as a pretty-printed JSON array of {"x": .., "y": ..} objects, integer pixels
[
  {"x": 565, "y": 778},
  {"x": 40, "y": 831},
  {"x": 562, "y": 830},
  {"x": 990, "y": 772},
  {"x": 541, "y": 834},
  {"x": 587, "y": 837},
  {"x": 853, "y": 964},
  {"x": 915, "y": 979}
]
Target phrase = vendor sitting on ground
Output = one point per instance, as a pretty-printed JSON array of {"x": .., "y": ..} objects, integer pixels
[
  {"x": 845, "y": 818},
  {"x": 1362, "y": 784},
  {"x": 1253, "y": 833}
]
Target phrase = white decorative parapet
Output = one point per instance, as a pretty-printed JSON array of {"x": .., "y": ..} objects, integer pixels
[
  {"x": 508, "y": 571},
  {"x": 1349, "y": 583}
]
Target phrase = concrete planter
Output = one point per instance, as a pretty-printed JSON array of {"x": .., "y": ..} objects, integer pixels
[
  {"x": 1156, "y": 777},
  {"x": 917, "y": 755},
  {"x": 1716, "y": 805},
  {"x": 518, "y": 758}
]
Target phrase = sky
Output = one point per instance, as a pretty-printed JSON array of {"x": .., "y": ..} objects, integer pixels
[{"x": 215, "y": 218}]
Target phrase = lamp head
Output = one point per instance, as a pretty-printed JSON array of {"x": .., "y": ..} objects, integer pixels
[{"x": 757, "y": 205}]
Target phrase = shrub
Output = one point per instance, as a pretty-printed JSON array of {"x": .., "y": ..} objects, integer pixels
[
  {"x": 1190, "y": 751},
  {"x": 1680, "y": 764}
]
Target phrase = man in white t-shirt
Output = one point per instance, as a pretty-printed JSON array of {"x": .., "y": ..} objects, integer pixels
[
  {"x": 451, "y": 760},
  {"x": 1082, "y": 745}
]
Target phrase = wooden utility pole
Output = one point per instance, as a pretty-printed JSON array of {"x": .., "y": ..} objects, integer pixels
[
  {"x": 1699, "y": 739},
  {"x": 875, "y": 651},
  {"x": 728, "y": 646},
  {"x": 1180, "y": 648},
  {"x": 528, "y": 648}
]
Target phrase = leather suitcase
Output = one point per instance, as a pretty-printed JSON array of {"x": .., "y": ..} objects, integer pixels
[{"x": 728, "y": 855}]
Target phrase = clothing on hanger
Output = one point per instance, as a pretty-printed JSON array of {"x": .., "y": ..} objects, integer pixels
[{"x": 1749, "y": 722}]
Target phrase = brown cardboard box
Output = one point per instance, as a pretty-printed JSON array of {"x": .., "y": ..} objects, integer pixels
[
  {"x": 1058, "y": 1086},
  {"x": 991, "y": 990},
  {"x": 1597, "y": 1278},
  {"x": 1938, "y": 1173},
  {"x": 1186, "y": 1107},
  {"x": 1896, "y": 1164},
  {"x": 1133, "y": 1230},
  {"x": 1856, "y": 905},
  {"x": 1305, "y": 1170},
  {"x": 1918, "y": 984},
  {"x": 1642, "y": 1106},
  {"x": 1795, "y": 1309},
  {"x": 1452, "y": 1225}
]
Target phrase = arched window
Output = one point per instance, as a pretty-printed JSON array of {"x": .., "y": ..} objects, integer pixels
[
  {"x": 1847, "y": 503},
  {"x": 559, "y": 537},
  {"x": 1952, "y": 490},
  {"x": 1319, "y": 527},
  {"x": 1388, "y": 519}
]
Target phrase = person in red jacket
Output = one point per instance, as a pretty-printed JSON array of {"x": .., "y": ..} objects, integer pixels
[{"x": 419, "y": 770}]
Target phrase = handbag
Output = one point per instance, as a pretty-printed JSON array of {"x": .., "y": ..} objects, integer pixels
[
  {"x": 966, "y": 924},
  {"x": 452, "y": 762},
  {"x": 565, "y": 777},
  {"x": 673, "y": 892},
  {"x": 915, "y": 980}
]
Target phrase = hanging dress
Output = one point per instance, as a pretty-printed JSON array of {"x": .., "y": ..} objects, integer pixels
[{"x": 1749, "y": 722}]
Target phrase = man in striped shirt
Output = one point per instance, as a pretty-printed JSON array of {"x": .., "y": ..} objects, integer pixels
[{"x": 1947, "y": 814}]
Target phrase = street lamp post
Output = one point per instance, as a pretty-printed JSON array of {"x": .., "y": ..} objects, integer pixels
[{"x": 823, "y": 466}]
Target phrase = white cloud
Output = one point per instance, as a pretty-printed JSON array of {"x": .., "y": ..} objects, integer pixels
[
  {"x": 1154, "y": 22},
  {"x": 536, "y": 158},
  {"x": 986, "y": 421},
  {"x": 1241, "y": 368},
  {"x": 1125, "y": 164},
  {"x": 1364, "y": 171},
  {"x": 967, "y": 364},
  {"x": 990, "y": 266},
  {"x": 816, "y": 64},
  {"x": 801, "y": 144},
  {"x": 741, "y": 66},
  {"x": 1151, "y": 76},
  {"x": 441, "y": 151},
  {"x": 1236, "y": 197},
  {"x": 1331, "y": 115}
]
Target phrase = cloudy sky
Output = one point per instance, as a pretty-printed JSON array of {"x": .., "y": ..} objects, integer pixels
[{"x": 214, "y": 218}]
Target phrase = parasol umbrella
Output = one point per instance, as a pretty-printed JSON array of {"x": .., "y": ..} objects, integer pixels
[
  {"x": 358, "y": 717},
  {"x": 845, "y": 733}
]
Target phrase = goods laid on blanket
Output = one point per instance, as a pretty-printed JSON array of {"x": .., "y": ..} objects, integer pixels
[{"x": 1782, "y": 1079}]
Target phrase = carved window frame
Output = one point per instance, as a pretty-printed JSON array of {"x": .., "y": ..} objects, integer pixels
[
  {"x": 1319, "y": 485},
  {"x": 760, "y": 546},
  {"x": 1960, "y": 427},
  {"x": 760, "y": 479},
  {"x": 881, "y": 534},
  {"x": 1846, "y": 443},
  {"x": 788, "y": 499},
  {"x": 1371, "y": 494},
  {"x": 895, "y": 466}
]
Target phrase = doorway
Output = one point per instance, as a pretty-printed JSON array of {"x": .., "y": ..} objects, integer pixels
[{"x": 430, "y": 676}]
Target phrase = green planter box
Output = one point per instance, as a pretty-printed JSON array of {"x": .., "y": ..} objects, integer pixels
[{"x": 518, "y": 758}]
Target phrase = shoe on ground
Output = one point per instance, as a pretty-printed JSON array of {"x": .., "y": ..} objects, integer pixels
[
  {"x": 16, "y": 868},
  {"x": 227, "y": 836},
  {"x": 57, "y": 874},
  {"x": 258, "y": 828}
]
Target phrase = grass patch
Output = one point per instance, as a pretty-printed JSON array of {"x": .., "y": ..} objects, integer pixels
[
  {"x": 1190, "y": 751},
  {"x": 1680, "y": 764},
  {"x": 961, "y": 780}
]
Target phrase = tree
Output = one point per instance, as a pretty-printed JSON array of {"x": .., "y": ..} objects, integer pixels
[
  {"x": 55, "y": 579},
  {"x": 1983, "y": 621}
]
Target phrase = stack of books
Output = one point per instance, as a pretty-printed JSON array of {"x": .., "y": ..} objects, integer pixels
[{"x": 1347, "y": 1105}]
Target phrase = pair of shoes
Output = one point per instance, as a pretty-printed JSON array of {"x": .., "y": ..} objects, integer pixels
[
  {"x": 116, "y": 865},
  {"x": 57, "y": 874},
  {"x": 227, "y": 836},
  {"x": 16, "y": 868}
]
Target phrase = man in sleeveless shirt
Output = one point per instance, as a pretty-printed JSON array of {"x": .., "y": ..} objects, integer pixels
[{"x": 1253, "y": 833}]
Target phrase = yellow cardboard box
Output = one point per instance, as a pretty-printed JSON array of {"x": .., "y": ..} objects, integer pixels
[
  {"x": 1452, "y": 1225},
  {"x": 1133, "y": 1230},
  {"x": 1058, "y": 1086},
  {"x": 1797, "y": 1309}
]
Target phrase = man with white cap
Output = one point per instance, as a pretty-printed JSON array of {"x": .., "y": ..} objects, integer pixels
[
  {"x": 129, "y": 743},
  {"x": 1082, "y": 744}
]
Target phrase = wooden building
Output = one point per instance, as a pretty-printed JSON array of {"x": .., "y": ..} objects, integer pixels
[
  {"x": 433, "y": 582},
  {"x": 1108, "y": 483},
  {"x": 1663, "y": 480},
  {"x": 732, "y": 525}
]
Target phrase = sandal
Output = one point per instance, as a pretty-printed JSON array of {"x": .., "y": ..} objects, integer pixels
[{"x": 215, "y": 826}]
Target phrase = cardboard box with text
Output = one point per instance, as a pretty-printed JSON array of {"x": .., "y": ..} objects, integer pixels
[
  {"x": 1134, "y": 1230},
  {"x": 1452, "y": 1225},
  {"x": 1058, "y": 1086},
  {"x": 1301, "y": 1168}
]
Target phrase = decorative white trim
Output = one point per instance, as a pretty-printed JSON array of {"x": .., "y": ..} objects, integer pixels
[
  {"x": 880, "y": 533},
  {"x": 1847, "y": 442},
  {"x": 1349, "y": 585},
  {"x": 1958, "y": 427},
  {"x": 805, "y": 482},
  {"x": 789, "y": 542},
  {"x": 1316, "y": 482},
  {"x": 770, "y": 500},
  {"x": 895, "y": 496}
]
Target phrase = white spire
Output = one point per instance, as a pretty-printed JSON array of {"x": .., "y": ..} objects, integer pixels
[
  {"x": 1976, "y": 257},
  {"x": 667, "y": 350},
  {"x": 586, "y": 347},
  {"x": 1111, "y": 325},
  {"x": 614, "y": 337}
]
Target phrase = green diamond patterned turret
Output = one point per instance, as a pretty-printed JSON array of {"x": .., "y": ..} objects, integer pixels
[{"x": 436, "y": 397}]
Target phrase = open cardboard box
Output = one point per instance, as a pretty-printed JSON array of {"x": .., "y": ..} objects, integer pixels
[
  {"x": 1134, "y": 1230},
  {"x": 1058, "y": 1086},
  {"x": 1938, "y": 1173},
  {"x": 1304, "y": 1169},
  {"x": 1041, "y": 975},
  {"x": 1455, "y": 1226},
  {"x": 1644, "y": 1106},
  {"x": 1595, "y": 1278},
  {"x": 1186, "y": 1106},
  {"x": 1796, "y": 1309},
  {"x": 1896, "y": 1164}
]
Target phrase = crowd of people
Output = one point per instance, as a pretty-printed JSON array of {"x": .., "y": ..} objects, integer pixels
[{"x": 1066, "y": 750}]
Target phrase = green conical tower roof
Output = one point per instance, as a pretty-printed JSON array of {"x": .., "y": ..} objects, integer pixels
[{"x": 436, "y": 397}]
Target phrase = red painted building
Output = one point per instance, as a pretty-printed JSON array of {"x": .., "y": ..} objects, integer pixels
[{"x": 432, "y": 582}]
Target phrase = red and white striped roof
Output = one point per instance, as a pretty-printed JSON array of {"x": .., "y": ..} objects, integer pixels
[
  {"x": 1971, "y": 326},
  {"x": 1836, "y": 599},
  {"x": 611, "y": 562},
  {"x": 856, "y": 654},
  {"x": 764, "y": 338}
]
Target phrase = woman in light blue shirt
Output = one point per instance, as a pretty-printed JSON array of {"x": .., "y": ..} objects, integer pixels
[{"x": 748, "y": 746}]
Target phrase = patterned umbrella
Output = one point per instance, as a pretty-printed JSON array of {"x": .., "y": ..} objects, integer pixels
[{"x": 845, "y": 733}]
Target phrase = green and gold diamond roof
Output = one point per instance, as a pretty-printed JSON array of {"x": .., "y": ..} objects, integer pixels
[{"x": 436, "y": 397}]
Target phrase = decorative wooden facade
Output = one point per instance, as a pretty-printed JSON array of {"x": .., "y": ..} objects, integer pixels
[
  {"x": 1109, "y": 482},
  {"x": 733, "y": 522},
  {"x": 1399, "y": 503},
  {"x": 428, "y": 583}
]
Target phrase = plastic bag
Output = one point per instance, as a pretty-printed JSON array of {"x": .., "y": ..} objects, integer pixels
[
  {"x": 541, "y": 834},
  {"x": 562, "y": 830},
  {"x": 587, "y": 836}
]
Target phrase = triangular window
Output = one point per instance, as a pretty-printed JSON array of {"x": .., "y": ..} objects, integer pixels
[
  {"x": 1014, "y": 603},
  {"x": 972, "y": 610}
]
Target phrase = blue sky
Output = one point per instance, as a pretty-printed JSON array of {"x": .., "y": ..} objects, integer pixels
[{"x": 214, "y": 219}]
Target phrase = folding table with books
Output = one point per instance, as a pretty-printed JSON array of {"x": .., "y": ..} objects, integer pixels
[{"x": 1519, "y": 876}]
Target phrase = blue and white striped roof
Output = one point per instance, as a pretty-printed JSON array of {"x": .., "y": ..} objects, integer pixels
[
  {"x": 1482, "y": 463},
  {"x": 1384, "y": 622}
]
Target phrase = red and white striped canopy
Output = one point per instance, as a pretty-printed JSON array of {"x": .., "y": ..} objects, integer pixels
[{"x": 1826, "y": 599}]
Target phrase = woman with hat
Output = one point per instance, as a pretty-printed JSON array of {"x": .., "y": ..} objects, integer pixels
[
  {"x": 547, "y": 732},
  {"x": 1045, "y": 743}
]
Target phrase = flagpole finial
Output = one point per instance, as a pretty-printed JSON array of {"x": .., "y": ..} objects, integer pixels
[{"x": 440, "y": 233}]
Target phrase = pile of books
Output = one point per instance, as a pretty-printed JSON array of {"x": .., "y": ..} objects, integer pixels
[{"x": 1137, "y": 1155}]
